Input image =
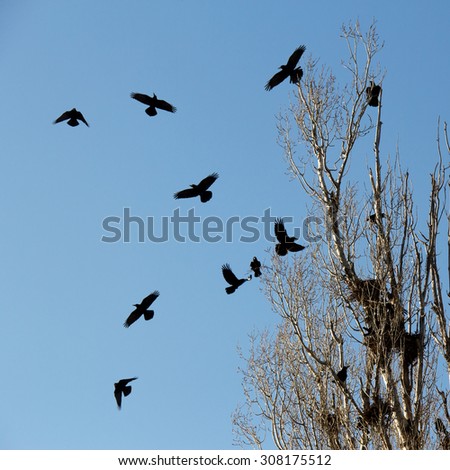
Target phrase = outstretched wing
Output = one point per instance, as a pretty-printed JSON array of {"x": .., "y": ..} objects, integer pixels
[
  {"x": 280, "y": 231},
  {"x": 161, "y": 104},
  {"x": 229, "y": 275},
  {"x": 134, "y": 315},
  {"x": 207, "y": 182},
  {"x": 295, "y": 57},
  {"x": 276, "y": 79},
  {"x": 81, "y": 118},
  {"x": 124, "y": 382},
  {"x": 143, "y": 98},
  {"x": 64, "y": 117},
  {"x": 294, "y": 247},
  {"x": 149, "y": 299},
  {"x": 191, "y": 192},
  {"x": 118, "y": 396}
]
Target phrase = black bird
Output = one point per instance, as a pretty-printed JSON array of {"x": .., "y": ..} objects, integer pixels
[
  {"x": 153, "y": 102},
  {"x": 122, "y": 387},
  {"x": 141, "y": 309},
  {"x": 199, "y": 189},
  {"x": 285, "y": 243},
  {"x": 342, "y": 374},
  {"x": 288, "y": 70},
  {"x": 232, "y": 279},
  {"x": 373, "y": 217},
  {"x": 72, "y": 117},
  {"x": 372, "y": 93},
  {"x": 255, "y": 266}
]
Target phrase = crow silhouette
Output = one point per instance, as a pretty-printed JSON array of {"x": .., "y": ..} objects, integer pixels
[
  {"x": 232, "y": 279},
  {"x": 288, "y": 70},
  {"x": 342, "y": 374},
  {"x": 285, "y": 243},
  {"x": 372, "y": 93},
  {"x": 122, "y": 387},
  {"x": 199, "y": 189},
  {"x": 255, "y": 266},
  {"x": 373, "y": 217},
  {"x": 153, "y": 102},
  {"x": 72, "y": 117},
  {"x": 141, "y": 309}
]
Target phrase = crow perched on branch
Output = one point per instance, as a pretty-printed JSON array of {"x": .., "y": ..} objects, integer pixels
[
  {"x": 199, "y": 189},
  {"x": 342, "y": 374},
  {"x": 230, "y": 277},
  {"x": 285, "y": 243},
  {"x": 122, "y": 387},
  {"x": 153, "y": 102},
  {"x": 372, "y": 93},
  {"x": 141, "y": 309},
  {"x": 255, "y": 266},
  {"x": 373, "y": 217},
  {"x": 288, "y": 70},
  {"x": 72, "y": 117}
]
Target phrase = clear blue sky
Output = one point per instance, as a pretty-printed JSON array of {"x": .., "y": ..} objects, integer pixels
[{"x": 65, "y": 293}]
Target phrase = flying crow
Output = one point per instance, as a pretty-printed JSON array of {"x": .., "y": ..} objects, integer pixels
[
  {"x": 122, "y": 387},
  {"x": 288, "y": 70},
  {"x": 199, "y": 189},
  {"x": 71, "y": 117},
  {"x": 141, "y": 309},
  {"x": 232, "y": 279},
  {"x": 285, "y": 243},
  {"x": 153, "y": 102}
]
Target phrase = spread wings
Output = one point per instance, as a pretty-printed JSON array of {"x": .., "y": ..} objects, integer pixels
[
  {"x": 134, "y": 316},
  {"x": 143, "y": 98},
  {"x": 229, "y": 275},
  {"x": 205, "y": 183},
  {"x": 191, "y": 192},
  {"x": 277, "y": 79},
  {"x": 64, "y": 117},
  {"x": 280, "y": 232},
  {"x": 149, "y": 299},
  {"x": 295, "y": 57}
]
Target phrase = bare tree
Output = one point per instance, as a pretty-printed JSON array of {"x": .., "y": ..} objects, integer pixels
[{"x": 363, "y": 333}]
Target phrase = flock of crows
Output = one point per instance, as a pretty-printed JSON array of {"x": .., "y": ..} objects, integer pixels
[{"x": 285, "y": 243}]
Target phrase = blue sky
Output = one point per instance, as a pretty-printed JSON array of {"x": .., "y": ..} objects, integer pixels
[{"x": 65, "y": 293}]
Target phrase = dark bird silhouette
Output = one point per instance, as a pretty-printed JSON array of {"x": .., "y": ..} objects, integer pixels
[
  {"x": 342, "y": 374},
  {"x": 372, "y": 92},
  {"x": 141, "y": 309},
  {"x": 288, "y": 70},
  {"x": 199, "y": 189},
  {"x": 122, "y": 387},
  {"x": 230, "y": 277},
  {"x": 153, "y": 102},
  {"x": 373, "y": 217},
  {"x": 72, "y": 117},
  {"x": 285, "y": 243},
  {"x": 255, "y": 266}
]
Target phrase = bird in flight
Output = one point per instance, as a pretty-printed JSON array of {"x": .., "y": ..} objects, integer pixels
[
  {"x": 289, "y": 70},
  {"x": 153, "y": 102},
  {"x": 200, "y": 189},
  {"x": 372, "y": 93},
  {"x": 72, "y": 117},
  {"x": 141, "y": 309},
  {"x": 285, "y": 243},
  {"x": 230, "y": 277},
  {"x": 122, "y": 387},
  {"x": 255, "y": 266}
]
